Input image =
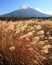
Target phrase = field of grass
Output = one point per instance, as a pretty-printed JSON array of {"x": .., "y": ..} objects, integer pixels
[{"x": 26, "y": 42}]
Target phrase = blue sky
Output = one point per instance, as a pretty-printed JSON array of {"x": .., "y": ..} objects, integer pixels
[{"x": 7, "y": 6}]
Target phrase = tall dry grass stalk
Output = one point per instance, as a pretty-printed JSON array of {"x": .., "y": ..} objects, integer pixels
[{"x": 26, "y": 42}]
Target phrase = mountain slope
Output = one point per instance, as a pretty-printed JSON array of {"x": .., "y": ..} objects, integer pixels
[{"x": 27, "y": 12}]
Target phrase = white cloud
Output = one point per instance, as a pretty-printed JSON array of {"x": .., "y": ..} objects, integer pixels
[
  {"x": 49, "y": 13},
  {"x": 25, "y": 6}
]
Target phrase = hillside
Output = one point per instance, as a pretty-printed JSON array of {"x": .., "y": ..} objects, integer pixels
[{"x": 26, "y": 42}]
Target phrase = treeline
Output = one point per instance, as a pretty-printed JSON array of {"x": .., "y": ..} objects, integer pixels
[{"x": 24, "y": 18}]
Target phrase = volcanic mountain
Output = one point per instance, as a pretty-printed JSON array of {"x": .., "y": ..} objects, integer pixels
[{"x": 25, "y": 12}]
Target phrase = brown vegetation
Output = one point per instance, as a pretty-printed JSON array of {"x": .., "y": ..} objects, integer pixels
[{"x": 26, "y": 42}]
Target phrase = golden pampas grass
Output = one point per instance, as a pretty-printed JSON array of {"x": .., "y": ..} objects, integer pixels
[{"x": 25, "y": 43}]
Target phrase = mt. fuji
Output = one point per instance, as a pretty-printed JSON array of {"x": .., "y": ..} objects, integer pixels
[{"x": 26, "y": 11}]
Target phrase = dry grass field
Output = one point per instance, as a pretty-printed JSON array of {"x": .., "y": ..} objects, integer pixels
[{"x": 26, "y": 42}]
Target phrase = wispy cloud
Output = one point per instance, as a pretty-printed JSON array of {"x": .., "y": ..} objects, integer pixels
[
  {"x": 25, "y": 6},
  {"x": 49, "y": 13}
]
